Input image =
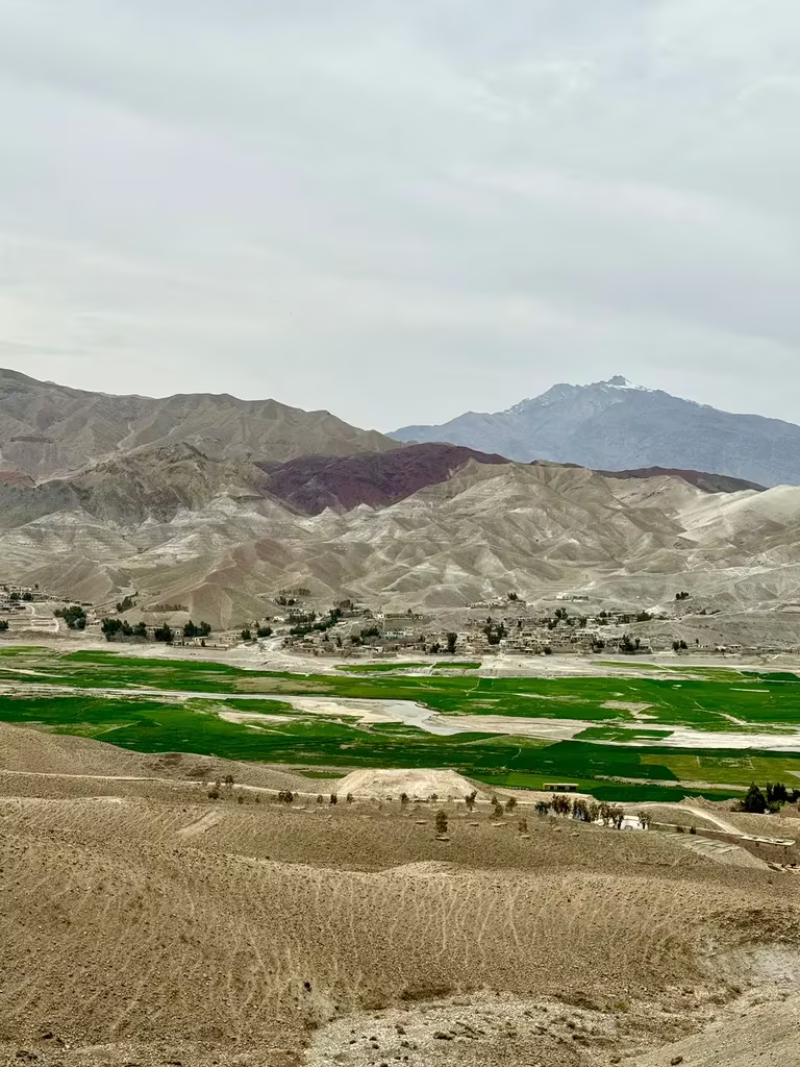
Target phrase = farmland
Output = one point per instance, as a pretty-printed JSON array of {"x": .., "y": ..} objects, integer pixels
[{"x": 620, "y": 745}]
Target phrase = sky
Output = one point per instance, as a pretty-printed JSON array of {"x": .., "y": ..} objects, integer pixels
[{"x": 399, "y": 211}]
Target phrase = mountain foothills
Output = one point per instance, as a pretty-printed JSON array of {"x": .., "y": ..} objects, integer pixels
[
  {"x": 613, "y": 425},
  {"x": 218, "y": 505}
]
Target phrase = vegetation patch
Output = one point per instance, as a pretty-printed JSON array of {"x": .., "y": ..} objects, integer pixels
[{"x": 604, "y": 759}]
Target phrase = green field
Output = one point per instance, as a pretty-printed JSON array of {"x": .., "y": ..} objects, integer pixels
[{"x": 607, "y": 758}]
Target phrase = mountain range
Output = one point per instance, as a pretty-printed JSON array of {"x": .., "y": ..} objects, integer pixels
[
  {"x": 48, "y": 429},
  {"x": 614, "y": 425},
  {"x": 219, "y": 504}
]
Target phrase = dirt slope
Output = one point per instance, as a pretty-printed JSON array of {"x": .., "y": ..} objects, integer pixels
[{"x": 165, "y": 926}]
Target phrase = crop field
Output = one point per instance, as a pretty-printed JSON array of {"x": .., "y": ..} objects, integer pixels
[{"x": 621, "y": 751}]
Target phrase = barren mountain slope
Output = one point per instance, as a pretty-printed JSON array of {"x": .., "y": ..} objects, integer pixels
[
  {"x": 182, "y": 528},
  {"x": 47, "y": 428},
  {"x": 615, "y": 426},
  {"x": 165, "y": 926},
  {"x": 312, "y": 483}
]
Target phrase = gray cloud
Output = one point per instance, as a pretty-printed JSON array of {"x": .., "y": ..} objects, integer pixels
[{"x": 399, "y": 212}]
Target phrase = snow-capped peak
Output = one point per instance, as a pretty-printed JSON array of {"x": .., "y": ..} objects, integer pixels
[{"x": 618, "y": 382}]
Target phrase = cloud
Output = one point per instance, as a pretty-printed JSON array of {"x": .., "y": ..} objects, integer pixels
[{"x": 399, "y": 212}]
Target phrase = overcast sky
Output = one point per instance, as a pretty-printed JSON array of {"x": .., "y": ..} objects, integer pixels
[{"x": 399, "y": 210}]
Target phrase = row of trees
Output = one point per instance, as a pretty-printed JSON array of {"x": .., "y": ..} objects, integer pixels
[
  {"x": 113, "y": 629},
  {"x": 771, "y": 800}
]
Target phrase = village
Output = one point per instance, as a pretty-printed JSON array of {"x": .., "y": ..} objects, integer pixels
[{"x": 502, "y": 625}]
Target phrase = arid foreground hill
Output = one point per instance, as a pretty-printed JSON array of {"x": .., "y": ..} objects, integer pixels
[{"x": 144, "y": 923}]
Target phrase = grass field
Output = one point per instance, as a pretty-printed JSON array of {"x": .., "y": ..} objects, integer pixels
[{"x": 604, "y": 759}]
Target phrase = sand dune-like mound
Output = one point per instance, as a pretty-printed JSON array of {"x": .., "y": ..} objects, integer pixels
[{"x": 417, "y": 784}]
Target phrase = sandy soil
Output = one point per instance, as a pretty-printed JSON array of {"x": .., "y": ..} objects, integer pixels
[{"x": 416, "y": 784}]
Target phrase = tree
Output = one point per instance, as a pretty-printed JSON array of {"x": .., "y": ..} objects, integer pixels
[
  {"x": 452, "y": 640},
  {"x": 683, "y": 595},
  {"x": 404, "y": 800},
  {"x": 164, "y": 633},
  {"x": 246, "y": 634},
  {"x": 266, "y": 631},
  {"x": 542, "y": 808},
  {"x": 645, "y": 818},
  {"x": 580, "y": 810},
  {"x": 110, "y": 628},
  {"x": 74, "y": 616},
  {"x": 441, "y": 823},
  {"x": 125, "y": 604},
  {"x": 523, "y": 826},
  {"x": 27, "y": 596},
  {"x": 470, "y": 799},
  {"x": 3, "y": 625},
  {"x": 754, "y": 802},
  {"x": 511, "y": 803},
  {"x": 334, "y": 798},
  {"x": 140, "y": 630},
  {"x": 777, "y": 794}
]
